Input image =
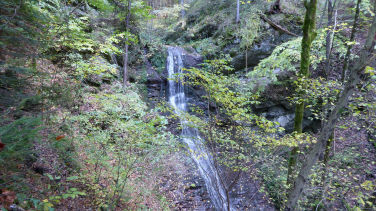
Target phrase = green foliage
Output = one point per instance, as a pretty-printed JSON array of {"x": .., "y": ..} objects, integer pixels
[
  {"x": 102, "y": 5},
  {"x": 95, "y": 66},
  {"x": 274, "y": 177},
  {"x": 206, "y": 47},
  {"x": 235, "y": 135},
  {"x": 109, "y": 48},
  {"x": 232, "y": 139},
  {"x": 366, "y": 9},
  {"x": 167, "y": 18},
  {"x": 286, "y": 57},
  {"x": 73, "y": 193},
  {"x": 73, "y": 37},
  {"x": 141, "y": 11},
  {"x": 116, "y": 137},
  {"x": 21, "y": 23},
  {"x": 316, "y": 93},
  {"x": 249, "y": 29},
  {"x": 18, "y": 137},
  {"x": 152, "y": 38}
]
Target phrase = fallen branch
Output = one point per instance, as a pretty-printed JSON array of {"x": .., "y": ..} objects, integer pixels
[{"x": 276, "y": 26}]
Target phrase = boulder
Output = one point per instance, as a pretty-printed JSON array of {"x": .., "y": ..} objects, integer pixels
[{"x": 191, "y": 58}]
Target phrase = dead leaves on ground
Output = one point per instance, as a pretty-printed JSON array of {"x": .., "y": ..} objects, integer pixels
[
  {"x": 7, "y": 198},
  {"x": 58, "y": 138}
]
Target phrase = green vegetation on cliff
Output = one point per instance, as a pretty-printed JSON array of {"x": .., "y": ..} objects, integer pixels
[{"x": 84, "y": 122}]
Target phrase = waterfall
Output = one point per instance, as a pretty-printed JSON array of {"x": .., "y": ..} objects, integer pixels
[{"x": 190, "y": 136}]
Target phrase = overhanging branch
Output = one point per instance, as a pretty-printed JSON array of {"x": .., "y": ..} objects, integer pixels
[{"x": 276, "y": 26}]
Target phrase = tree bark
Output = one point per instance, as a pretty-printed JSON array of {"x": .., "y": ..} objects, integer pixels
[
  {"x": 329, "y": 46},
  {"x": 237, "y": 20},
  {"x": 125, "y": 68},
  {"x": 309, "y": 34},
  {"x": 328, "y": 36},
  {"x": 276, "y": 26},
  {"x": 328, "y": 146},
  {"x": 323, "y": 14},
  {"x": 366, "y": 55},
  {"x": 352, "y": 37},
  {"x": 182, "y": 10}
]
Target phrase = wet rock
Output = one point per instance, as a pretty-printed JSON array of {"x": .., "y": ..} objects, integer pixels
[
  {"x": 286, "y": 121},
  {"x": 191, "y": 58},
  {"x": 276, "y": 111},
  {"x": 254, "y": 55},
  {"x": 284, "y": 113}
]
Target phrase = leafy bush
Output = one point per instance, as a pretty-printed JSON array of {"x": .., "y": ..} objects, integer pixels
[
  {"x": 95, "y": 66},
  {"x": 73, "y": 37},
  {"x": 114, "y": 138}
]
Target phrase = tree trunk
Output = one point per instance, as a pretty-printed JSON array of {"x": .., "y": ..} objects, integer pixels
[
  {"x": 125, "y": 68},
  {"x": 237, "y": 20},
  {"x": 276, "y": 26},
  {"x": 323, "y": 14},
  {"x": 309, "y": 34},
  {"x": 182, "y": 10},
  {"x": 329, "y": 144},
  {"x": 352, "y": 37},
  {"x": 366, "y": 55},
  {"x": 329, "y": 46},
  {"x": 246, "y": 59},
  {"x": 328, "y": 36}
]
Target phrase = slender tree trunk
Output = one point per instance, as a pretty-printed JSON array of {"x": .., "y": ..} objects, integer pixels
[
  {"x": 329, "y": 37},
  {"x": 323, "y": 14},
  {"x": 125, "y": 68},
  {"x": 328, "y": 146},
  {"x": 246, "y": 59},
  {"x": 237, "y": 20},
  {"x": 182, "y": 10},
  {"x": 309, "y": 34},
  {"x": 366, "y": 55},
  {"x": 329, "y": 143},
  {"x": 329, "y": 46},
  {"x": 352, "y": 37}
]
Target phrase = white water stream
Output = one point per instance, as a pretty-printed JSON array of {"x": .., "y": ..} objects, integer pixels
[{"x": 190, "y": 136}]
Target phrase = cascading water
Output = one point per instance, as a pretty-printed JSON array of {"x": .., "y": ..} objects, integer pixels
[{"x": 190, "y": 135}]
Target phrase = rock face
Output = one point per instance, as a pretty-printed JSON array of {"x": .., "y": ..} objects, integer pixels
[
  {"x": 154, "y": 83},
  {"x": 284, "y": 113},
  {"x": 254, "y": 55},
  {"x": 259, "y": 50},
  {"x": 191, "y": 58}
]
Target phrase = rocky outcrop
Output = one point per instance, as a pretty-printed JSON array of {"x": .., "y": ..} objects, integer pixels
[
  {"x": 259, "y": 50},
  {"x": 190, "y": 57},
  {"x": 155, "y": 82}
]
